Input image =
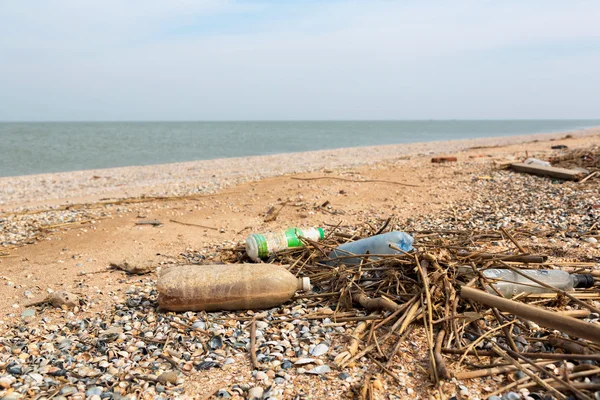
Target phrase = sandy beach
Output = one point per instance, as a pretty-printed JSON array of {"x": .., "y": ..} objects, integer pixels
[
  {"x": 61, "y": 231},
  {"x": 210, "y": 176}
]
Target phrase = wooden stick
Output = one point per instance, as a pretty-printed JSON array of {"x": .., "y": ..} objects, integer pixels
[
  {"x": 579, "y": 394},
  {"x": 190, "y": 224},
  {"x": 523, "y": 258},
  {"x": 533, "y": 376},
  {"x": 253, "y": 343},
  {"x": 574, "y": 375},
  {"x": 547, "y": 319},
  {"x": 173, "y": 363},
  {"x": 352, "y": 180},
  {"x": 512, "y": 239},
  {"x": 478, "y": 373},
  {"x": 442, "y": 370},
  {"x": 375, "y": 304},
  {"x": 589, "y": 176},
  {"x": 549, "y": 356},
  {"x": 552, "y": 172}
]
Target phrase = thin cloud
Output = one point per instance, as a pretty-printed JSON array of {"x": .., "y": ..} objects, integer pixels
[{"x": 299, "y": 60}]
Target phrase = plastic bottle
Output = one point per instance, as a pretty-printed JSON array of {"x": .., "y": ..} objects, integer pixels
[
  {"x": 378, "y": 244},
  {"x": 535, "y": 161},
  {"x": 227, "y": 287},
  {"x": 261, "y": 246},
  {"x": 509, "y": 283}
]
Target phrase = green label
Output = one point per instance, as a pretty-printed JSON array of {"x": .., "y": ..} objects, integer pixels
[
  {"x": 321, "y": 233},
  {"x": 261, "y": 244},
  {"x": 291, "y": 235}
]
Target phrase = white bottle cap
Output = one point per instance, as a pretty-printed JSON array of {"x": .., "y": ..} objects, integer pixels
[
  {"x": 306, "y": 283},
  {"x": 252, "y": 249}
]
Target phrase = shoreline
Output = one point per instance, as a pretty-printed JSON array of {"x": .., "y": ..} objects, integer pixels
[{"x": 210, "y": 176}]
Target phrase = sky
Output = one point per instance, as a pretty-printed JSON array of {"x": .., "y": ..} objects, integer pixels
[{"x": 115, "y": 60}]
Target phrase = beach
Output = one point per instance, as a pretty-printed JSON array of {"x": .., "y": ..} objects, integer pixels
[
  {"x": 61, "y": 231},
  {"x": 209, "y": 176}
]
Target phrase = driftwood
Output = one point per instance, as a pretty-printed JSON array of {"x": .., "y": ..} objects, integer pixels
[
  {"x": 548, "y": 319},
  {"x": 551, "y": 172}
]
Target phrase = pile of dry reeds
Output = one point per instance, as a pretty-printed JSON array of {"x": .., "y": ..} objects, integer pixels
[{"x": 464, "y": 325}]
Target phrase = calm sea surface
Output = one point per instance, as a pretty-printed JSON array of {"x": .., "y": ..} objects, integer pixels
[{"x": 31, "y": 148}]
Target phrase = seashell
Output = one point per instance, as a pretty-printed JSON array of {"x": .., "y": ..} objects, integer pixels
[{"x": 215, "y": 342}]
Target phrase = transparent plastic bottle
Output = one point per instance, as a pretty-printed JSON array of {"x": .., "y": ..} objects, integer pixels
[
  {"x": 378, "y": 244},
  {"x": 509, "y": 283},
  {"x": 227, "y": 287},
  {"x": 260, "y": 246}
]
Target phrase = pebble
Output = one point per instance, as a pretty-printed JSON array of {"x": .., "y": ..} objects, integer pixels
[
  {"x": 511, "y": 396},
  {"x": 168, "y": 377},
  {"x": 261, "y": 376},
  {"x": 256, "y": 393},
  {"x": 591, "y": 240},
  {"x": 12, "y": 396},
  {"x": 262, "y": 325},
  {"x": 67, "y": 390},
  {"x": 303, "y": 361},
  {"x": 5, "y": 382},
  {"x": 14, "y": 370},
  {"x": 320, "y": 370},
  {"x": 94, "y": 390},
  {"x": 223, "y": 394},
  {"x": 319, "y": 350}
]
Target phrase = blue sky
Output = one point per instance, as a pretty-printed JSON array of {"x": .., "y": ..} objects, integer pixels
[{"x": 293, "y": 59}]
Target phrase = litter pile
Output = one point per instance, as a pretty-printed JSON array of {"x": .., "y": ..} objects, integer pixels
[{"x": 427, "y": 288}]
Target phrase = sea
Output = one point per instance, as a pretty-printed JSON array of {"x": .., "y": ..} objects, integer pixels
[{"x": 44, "y": 147}]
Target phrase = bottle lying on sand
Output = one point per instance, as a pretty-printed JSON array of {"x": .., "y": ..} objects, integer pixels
[
  {"x": 260, "y": 246},
  {"x": 509, "y": 283},
  {"x": 376, "y": 245},
  {"x": 227, "y": 287}
]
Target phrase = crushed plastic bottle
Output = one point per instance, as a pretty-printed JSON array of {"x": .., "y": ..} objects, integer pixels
[
  {"x": 509, "y": 283},
  {"x": 378, "y": 244},
  {"x": 260, "y": 246},
  {"x": 535, "y": 161},
  {"x": 227, "y": 287}
]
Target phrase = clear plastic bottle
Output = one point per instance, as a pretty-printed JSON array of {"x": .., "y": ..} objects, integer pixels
[
  {"x": 378, "y": 244},
  {"x": 227, "y": 287},
  {"x": 260, "y": 246},
  {"x": 509, "y": 283}
]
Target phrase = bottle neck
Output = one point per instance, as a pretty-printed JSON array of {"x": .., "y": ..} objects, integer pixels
[
  {"x": 582, "y": 280},
  {"x": 304, "y": 284}
]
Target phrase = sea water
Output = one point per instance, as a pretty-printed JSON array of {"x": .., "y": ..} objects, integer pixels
[{"x": 41, "y": 147}]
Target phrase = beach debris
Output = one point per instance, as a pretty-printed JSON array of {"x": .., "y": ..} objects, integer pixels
[
  {"x": 538, "y": 162},
  {"x": 136, "y": 268},
  {"x": 272, "y": 213},
  {"x": 439, "y": 160},
  {"x": 227, "y": 287},
  {"x": 153, "y": 222},
  {"x": 369, "y": 248},
  {"x": 548, "y": 319},
  {"x": 59, "y": 299},
  {"x": 260, "y": 246},
  {"x": 168, "y": 377},
  {"x": 552, "y": 172},
  {"x": 513, "y": 281},
  {"x": 559, "y": 147}
]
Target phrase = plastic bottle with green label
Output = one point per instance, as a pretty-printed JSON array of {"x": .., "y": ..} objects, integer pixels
[{"x": 260, "y": 246}]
